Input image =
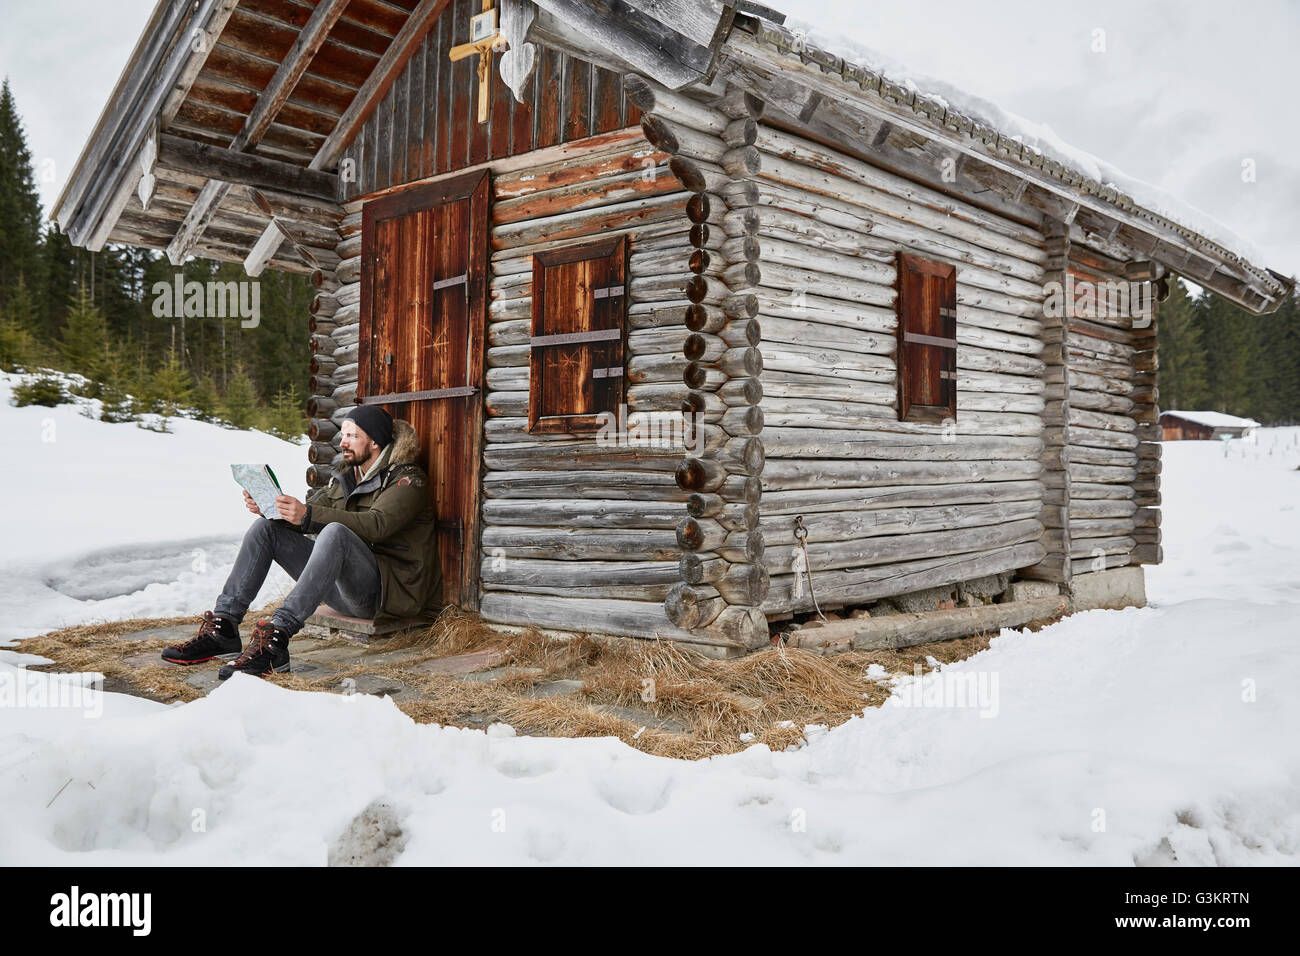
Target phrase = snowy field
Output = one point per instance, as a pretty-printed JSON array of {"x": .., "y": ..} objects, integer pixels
[
  {"x": 111, "y": 521},
  {"x": 1165, "y": 735}
]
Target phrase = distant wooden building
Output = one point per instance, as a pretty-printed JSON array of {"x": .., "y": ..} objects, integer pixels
[
  {"x": 703, "y": 326},
  {"x": 1203, "y": 426}
]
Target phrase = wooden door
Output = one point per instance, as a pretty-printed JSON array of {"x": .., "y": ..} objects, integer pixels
[{"x": 423, "y": 325}]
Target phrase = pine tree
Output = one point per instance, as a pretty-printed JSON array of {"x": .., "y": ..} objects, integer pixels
[
  {"x": 173, "y": 386},
  {"x": 1182, "y": 356},
  {"x": 61, "y": 270},
  {"x": 239, "y": 405},
  {"x": 285, "y": 417},
  {"x": 206, "y": 400},
  {"x": 115, "y": 405},
  {"x": 16, "y": 345},
  {"x": 20, "y": 205},
  {"x": 1228, "y": 339},
  {"x": 83, "y": 341},
  {"x": 22, "y": 307},
  {"x": 1284, "y": 363},
  {"x": 46, "y": 390}
]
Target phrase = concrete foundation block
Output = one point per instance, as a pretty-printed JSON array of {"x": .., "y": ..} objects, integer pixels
[
  {"x": 1115, "y": 588},
  {"x": 931, "y": 599},
  {"x": 1029, "y": 590}
]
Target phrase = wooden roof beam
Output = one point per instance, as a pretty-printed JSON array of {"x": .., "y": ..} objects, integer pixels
[
  {"x": 99, "y": 212},
  {"x": 674, "y": 42},
  {"x": 131, "y": 86},
  {"x": 363, "y": 103},
  {"x": 268, "y": 105},
  {"x": 229, "y": 166},
  {"x": 873, "y": 139}
]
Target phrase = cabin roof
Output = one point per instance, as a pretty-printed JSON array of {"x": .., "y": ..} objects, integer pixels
[
  {"x": 284, "y": 82},
  {"x": 1211, "y": 419},
  {"x": 281, "y": 88},
  {"x": 1178, "y": 241}
]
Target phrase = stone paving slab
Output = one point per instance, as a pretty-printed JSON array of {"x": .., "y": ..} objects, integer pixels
[
  {"x": 308, "y": 658},
  {"x": 172, "y": 633},
  {"x": 643, "y": 718},
  {"x": 205, "y": 678},
  {"x": 488, "y": 657},
  {"x": 145, "y": 659},
  {"x": 329, "y": 656},
  {"x": 373, "y": 684},
  {"x": 497, "y": 673},
  {"x": 555, "y": 688}
]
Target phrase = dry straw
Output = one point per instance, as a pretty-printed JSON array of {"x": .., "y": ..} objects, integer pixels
[{"x": 641, "y": 691}]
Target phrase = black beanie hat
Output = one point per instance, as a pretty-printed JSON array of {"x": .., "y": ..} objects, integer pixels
[{"x": 375, "y": 422}]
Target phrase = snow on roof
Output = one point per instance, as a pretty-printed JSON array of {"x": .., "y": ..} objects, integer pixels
[
  {"x": 1213, "y": 419},
  {"x": 1034, "y": 136}
]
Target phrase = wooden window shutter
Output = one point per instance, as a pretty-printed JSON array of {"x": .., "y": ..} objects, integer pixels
[
  {"x": 579, "y": 336},
  {"x": 927, "y": 340}
]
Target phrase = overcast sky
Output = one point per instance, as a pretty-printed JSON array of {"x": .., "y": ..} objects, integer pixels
[{"x": 1182, "y": 93}]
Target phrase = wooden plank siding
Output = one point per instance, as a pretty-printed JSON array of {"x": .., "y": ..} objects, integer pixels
[
  {"x": 426, "y": 125},
  {"x": 890, "y": 506}
]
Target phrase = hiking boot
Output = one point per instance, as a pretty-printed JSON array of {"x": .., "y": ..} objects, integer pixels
[
  {"x": 267, "y": 651},
  {"x": 217, "y": 637}
]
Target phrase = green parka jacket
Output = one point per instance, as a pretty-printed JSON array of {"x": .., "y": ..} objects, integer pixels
[{"x": 390, "y": 511}]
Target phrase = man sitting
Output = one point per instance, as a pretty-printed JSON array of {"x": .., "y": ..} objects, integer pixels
[{"x": 374, "y": 550}]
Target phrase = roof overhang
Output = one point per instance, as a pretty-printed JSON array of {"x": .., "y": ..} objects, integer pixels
[
  {"x": 269, "y": 95},
  {"x": 812, "y": 85},
  {"x": 220, "y": 138}
]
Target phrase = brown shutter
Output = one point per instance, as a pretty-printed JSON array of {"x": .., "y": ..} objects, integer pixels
[
  {"x": 579, "y": 335},
  {"x": 927, "y": 340}
]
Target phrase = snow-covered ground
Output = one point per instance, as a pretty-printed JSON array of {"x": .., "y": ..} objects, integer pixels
[
  {"x": 110, "y": 521},
  {"x": 1151, "y": 736}
]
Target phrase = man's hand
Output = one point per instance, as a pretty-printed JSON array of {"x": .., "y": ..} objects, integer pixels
[
  {"x": 251, "y": 505},
  {"x": 291, "y": 509}
]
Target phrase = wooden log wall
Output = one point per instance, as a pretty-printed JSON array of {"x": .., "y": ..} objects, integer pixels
[
  {"x": 1055, "y": 515},
  {"x": 889, "y": 506},
  {"x": 580, "y": 533},
  {"x": 1110, "y": 423},
  {"x": 426, "y": 123},
  {"x": 723, "y": 580}
]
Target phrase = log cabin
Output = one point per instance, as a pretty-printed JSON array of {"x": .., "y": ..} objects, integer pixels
[
  {"x": 705, "y": 328},
  {"x": 1204, "y": 426}
]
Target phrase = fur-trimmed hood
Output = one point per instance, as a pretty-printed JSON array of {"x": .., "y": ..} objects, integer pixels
[{"x": 405, "y": 446}]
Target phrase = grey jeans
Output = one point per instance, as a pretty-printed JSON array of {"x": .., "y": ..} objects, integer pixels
[{"x": 337, "y": 569}]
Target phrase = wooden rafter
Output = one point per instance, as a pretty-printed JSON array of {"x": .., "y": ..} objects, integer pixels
[
  {"x": 291, "y": 69},
  {"x": 363, "y": 103},
  {"x": 101, "y": 209}
]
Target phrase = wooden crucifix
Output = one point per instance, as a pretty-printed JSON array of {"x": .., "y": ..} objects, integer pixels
[{"x": 485, "y": 38}]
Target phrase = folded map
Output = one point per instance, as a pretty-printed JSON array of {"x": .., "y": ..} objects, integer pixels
[{"x": 260, "y": 482}]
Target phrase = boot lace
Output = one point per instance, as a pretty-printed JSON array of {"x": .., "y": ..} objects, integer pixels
[
  {"x": 258, "y": 643},
  {"x": 207, "y": 629}
]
